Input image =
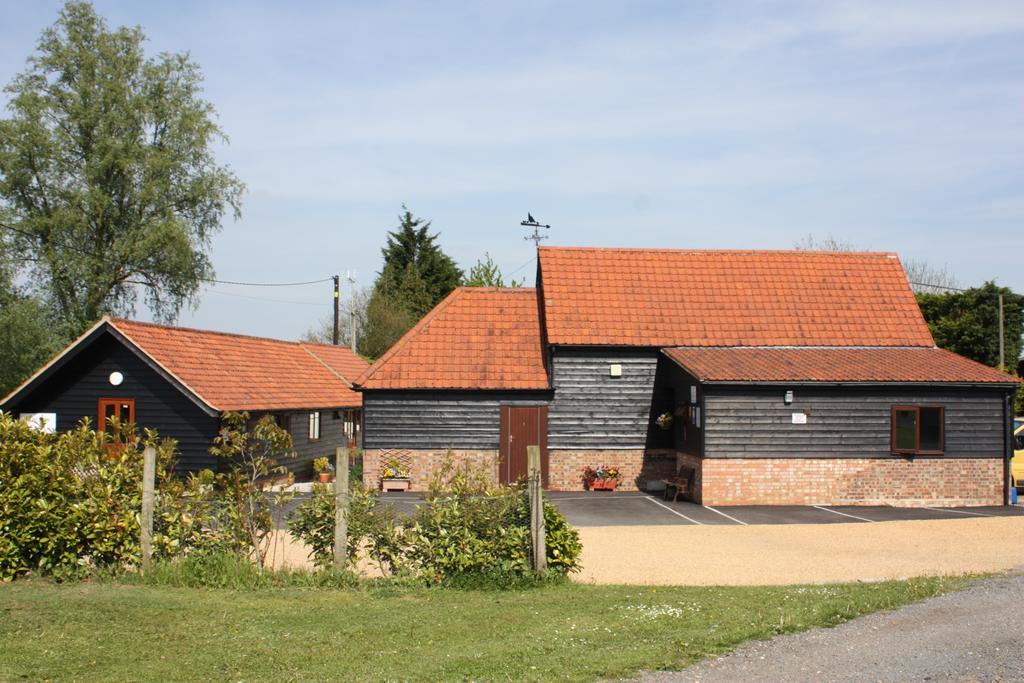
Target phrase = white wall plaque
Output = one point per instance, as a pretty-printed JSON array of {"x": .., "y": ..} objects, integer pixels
[
  {"x": 44, "y": 422},
  {"x": 799, "y": 418}
]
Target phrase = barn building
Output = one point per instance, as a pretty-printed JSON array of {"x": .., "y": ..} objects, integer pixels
[
  {"x": 179, "y": 381},
  {"x": 778, "y": 377}
]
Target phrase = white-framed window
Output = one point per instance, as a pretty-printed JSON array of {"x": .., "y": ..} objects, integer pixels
[{"x": 314, "y": 426}]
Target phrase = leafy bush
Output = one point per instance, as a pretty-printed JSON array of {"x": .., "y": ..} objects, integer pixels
[
  {"x": 467, "y": 532},
  {"x": 251, "y": 453},
  {"x": 313, "y": 522},
  {"x": 69, "y": 501}
]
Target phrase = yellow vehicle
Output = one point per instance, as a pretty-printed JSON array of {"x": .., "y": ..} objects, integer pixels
[{"x": 1017, "y": 464}]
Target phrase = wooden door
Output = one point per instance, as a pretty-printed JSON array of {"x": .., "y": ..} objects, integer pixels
[{"x": 522, "y": 426}]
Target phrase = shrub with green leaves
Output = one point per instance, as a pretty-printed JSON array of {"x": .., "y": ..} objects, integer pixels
[
  {"x": 486, "y": 533},
  {"x": 465, "y": 527},
  {"x": 313, "y": 522},
  {"x": 71, "y": 501}
]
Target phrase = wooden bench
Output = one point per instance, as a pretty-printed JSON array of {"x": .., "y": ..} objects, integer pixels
[{"x": 681, "y": 484}]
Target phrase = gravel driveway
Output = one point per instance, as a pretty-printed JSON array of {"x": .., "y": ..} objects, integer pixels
[{"x": 971, "y": 635}]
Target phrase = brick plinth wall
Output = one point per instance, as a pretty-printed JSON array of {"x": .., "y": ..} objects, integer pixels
[
  {"x": 861, "y": 481},
  {"x": 423, "y": 463},
  {"x": 565, "y": 467}
]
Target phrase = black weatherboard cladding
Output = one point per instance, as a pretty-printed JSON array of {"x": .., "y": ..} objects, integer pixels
[
  {"x": 433, "y": 419},
  {"x": 594, "y": 410},
  {"x": 332, "y": 435},
  {"x": 74, "y": 390},
  {"x": 843, "y": 421}
]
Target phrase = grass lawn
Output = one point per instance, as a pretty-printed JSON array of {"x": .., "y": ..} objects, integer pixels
[{"x": 111, "y": 631}]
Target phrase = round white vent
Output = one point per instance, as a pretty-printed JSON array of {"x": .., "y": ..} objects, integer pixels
[{"x": 116, "y": 378}]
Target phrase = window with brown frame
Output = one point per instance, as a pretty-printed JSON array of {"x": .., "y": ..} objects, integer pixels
[
  {"x": 918, "y": 430},
  {"x": 123, "y": 409}
]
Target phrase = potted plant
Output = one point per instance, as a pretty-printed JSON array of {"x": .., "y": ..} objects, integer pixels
[
  {"x": 664, "y": 421},
  {"x": 323, "y": 467},
  {"x": 394, "y": 477},
  {"x": 603, "y": 478}
]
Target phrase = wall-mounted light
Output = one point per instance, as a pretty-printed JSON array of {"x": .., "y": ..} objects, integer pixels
[
  {"x": 615, "y": 370},
  {"x": 789, "y": 397},
  {"x": 116, "y": 378}
]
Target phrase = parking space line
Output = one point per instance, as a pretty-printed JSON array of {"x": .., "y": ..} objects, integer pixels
[
  {"x": 604, "y": 499},
  {"x": 738, "y": 521},
  {"x": 959, "y": 512},
  {"x": 863, "y": 519},
  {"x": 674, "y": 512}
]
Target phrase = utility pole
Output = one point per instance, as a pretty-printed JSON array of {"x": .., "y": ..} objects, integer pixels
[
  {"x": 351, "y": 277},
  {"x": 1002, "y": 342},
  {"x": 337, "y": 302}
]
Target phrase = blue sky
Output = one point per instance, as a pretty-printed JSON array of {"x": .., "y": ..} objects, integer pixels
[{"x": 891, "y": 125}]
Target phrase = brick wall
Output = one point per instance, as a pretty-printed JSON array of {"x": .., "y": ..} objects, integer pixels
[
  {"x": 694, "y": 463},
  {"x": 565, "y": 467},
  {"x": 422, "y": 463},
  {"x": 852, "y": 481}
]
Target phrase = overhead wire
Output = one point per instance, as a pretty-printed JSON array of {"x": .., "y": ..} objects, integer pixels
[{"x": 86, "y": 252}]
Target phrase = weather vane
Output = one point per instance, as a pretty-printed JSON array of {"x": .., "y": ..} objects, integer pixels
[{"x": 531, "y": 222}]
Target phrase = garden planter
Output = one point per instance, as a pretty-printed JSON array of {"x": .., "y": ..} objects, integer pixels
[
  {"x": 604, "y": 484},
  {"x": 325, "y": 477},
  {"x": 394, "y": 484}
]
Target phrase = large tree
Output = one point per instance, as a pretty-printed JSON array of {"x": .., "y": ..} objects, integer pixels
[
  {"x": 27, "y": 336},
  {"x": 411, "y": 247},
  {"x": 967, "y": 322},
  {"x": 108, "y": 183},
  {"x": 416, "y": 276}
]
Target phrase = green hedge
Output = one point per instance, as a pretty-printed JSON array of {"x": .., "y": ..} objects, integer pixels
[{"x": 466, "y": 527}]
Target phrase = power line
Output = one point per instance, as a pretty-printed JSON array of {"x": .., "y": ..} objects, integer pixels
[
  {"x": 522, "y": 266},
  {"x": 926, "y": 284},
  {"x": 267, "y": 284},
  {"x": 85, "y": 252}
]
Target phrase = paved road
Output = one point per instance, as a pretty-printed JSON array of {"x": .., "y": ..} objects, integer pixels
[
  {"x": 972, "y": 635},
  {"x": 600, "y": 508}
]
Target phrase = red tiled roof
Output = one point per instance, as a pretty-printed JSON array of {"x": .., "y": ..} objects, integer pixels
[
  {"x": 477, "y": 338},
  {"x": 236, "y": 372},
  {"x": 835, "y": 364},
  {"x": 660, "y": 297},
  {"x": 340, "y": 359}
]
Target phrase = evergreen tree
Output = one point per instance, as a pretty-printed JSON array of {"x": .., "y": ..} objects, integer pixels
[
  {"x": 416, "y": 276},
  {"x": 412, "y": 244},
  {"x": 967, "y": 322}
]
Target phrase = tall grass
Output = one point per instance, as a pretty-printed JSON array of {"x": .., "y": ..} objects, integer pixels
[{"x": 232, "y": 572}]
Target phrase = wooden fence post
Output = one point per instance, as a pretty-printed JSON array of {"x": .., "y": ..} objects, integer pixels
[
  {"x": 340, "y": 508},
  {"x": 148, "y": 495},
  {"x": 536, "y": 489}
]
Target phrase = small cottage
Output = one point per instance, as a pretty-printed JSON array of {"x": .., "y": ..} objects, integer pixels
[
  {"x": 777, "y": 377},
  {"x": 179, "y": 381}
]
